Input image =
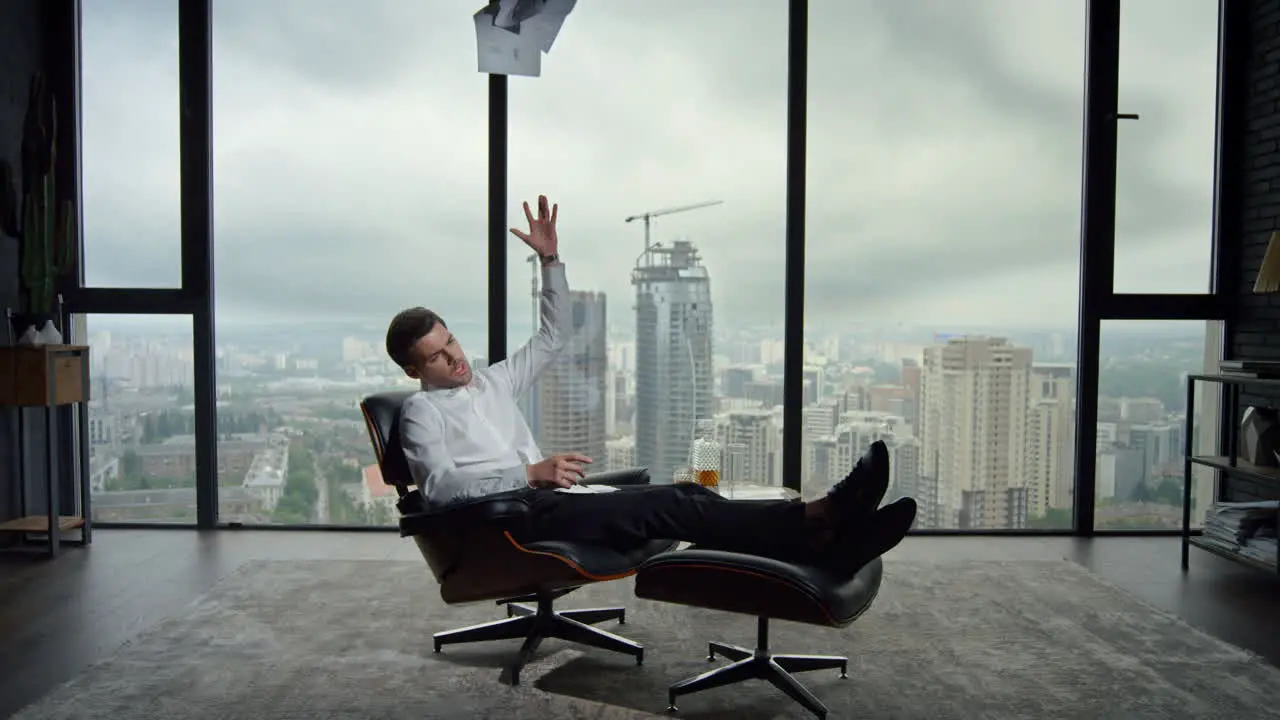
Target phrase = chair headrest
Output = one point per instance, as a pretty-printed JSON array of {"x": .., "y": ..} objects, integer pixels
[{"x": 382, "y": 417}]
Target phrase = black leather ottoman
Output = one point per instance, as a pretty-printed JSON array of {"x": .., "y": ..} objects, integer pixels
[{"x": 765, "y": 588}]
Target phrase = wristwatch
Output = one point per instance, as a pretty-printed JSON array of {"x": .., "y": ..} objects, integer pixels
[{"x": 548, "y": 259}]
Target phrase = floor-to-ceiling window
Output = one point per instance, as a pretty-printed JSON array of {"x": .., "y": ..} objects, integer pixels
[
  {"x": 664, "y": 142},
  {"x": 141, "y": 436},
  {"x": 1166, "y": 102},
  {"x": 350, "y": 183},
  {"x": 941, "y": 295}
]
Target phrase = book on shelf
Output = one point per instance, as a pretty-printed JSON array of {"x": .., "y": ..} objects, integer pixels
[{"x": 1250, "y": 368}]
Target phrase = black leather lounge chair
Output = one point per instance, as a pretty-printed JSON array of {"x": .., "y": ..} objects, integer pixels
[
  {"x": 474, "y": 557},
  {"x": 767, "y": 589}
]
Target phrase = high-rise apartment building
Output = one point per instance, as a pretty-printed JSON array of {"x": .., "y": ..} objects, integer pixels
[
  {"x": 752, "y": 447},
  {"x": 620, "y": 454},
  {"x": 1051, "y": 431},
  {"x": 674, "y": 380},
  {"x": 734, "y": 380},
  {"x": 572, "y": 395},
  {"x": 1141, "y": 409},
  {"x": 618, "y": 404},
  {"x": 973, "y": 408},
  {"x": 831, "y": 455},
  {"x": 814, "y": 384}
]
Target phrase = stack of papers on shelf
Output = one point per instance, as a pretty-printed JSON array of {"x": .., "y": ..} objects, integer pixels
[
  {"x": 1262, "y": 549},
  {"x": 1248, "y": 528},
  {"x": 1250, "y": 368},
  {"x": 1237, "y": 522}
]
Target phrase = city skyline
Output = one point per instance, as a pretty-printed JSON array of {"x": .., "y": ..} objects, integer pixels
[
  {"x": 271, "y": 400},
  {"x": 518, "y": 330},
  {"x": 943, "y": 171}
]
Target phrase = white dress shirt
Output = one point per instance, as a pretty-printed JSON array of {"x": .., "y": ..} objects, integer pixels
[{"x": 472, "y": 441}]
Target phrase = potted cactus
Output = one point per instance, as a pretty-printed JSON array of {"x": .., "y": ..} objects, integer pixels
[{"x": 43, "y": 223}]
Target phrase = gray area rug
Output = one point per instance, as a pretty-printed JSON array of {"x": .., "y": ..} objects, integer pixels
[{"x": 351, "y": 639}]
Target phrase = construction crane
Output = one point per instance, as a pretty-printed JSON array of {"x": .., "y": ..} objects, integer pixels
[{"x": 647, "y": 216}]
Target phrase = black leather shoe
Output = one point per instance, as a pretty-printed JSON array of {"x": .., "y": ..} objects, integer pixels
[
  {"x": 854, "y": 547},
  {"x": 860, "y": 492}
]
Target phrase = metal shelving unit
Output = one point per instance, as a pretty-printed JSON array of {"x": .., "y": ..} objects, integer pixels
[{"x": 1229, "y": 464}]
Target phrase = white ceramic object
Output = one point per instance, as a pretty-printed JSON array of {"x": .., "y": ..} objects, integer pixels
[
  {"x": 30, "y": 337},
  {"x": 49, "y": 334}
]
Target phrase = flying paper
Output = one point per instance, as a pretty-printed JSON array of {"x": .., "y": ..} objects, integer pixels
[{"x": 511, "y": 35}]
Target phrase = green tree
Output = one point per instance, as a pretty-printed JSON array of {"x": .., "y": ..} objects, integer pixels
[
  {"x": 343, "y": 509},
  {"x": 1168, "y": 492},
  {"x": 1160, "y": 379},
  {"x": 377, "y": 514},
  {"x": 1165, "y": 491},
  {"x": 1053, "y": 519},
  {"x": 292, "y": 510},
  {"x": 298, "y": 500},
  {"x": 130, "y": 464}
]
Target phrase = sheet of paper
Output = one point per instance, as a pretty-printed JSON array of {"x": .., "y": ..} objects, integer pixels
[
  {"x": 511, "y": 35},
  {"x": 544, "y": 26},
  {"x": 510, "y": 13},
  {"x": 587, "y": 489},
  {"x": 502, "y": 52}
]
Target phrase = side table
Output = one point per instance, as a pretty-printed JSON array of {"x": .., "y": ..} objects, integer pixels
[
  {"x": 48, "y": 377},
  {"x": 755, "y": 491}
]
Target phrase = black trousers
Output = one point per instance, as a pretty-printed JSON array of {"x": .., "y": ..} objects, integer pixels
[{"x": 682, "y": 511}]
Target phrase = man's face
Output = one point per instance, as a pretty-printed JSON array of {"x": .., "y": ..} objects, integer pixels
[{"x": 439, "y": 360}]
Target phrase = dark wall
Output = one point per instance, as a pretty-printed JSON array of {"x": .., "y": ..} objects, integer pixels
[
  {"x": 1256, "y": 332},
  {"x": 22, "y": 54}
]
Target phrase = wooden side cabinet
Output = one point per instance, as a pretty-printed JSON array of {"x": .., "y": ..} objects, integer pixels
[{"x": 48, "y": 377}]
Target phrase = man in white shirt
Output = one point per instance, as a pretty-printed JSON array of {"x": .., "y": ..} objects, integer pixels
[{"x": 464, "y": 437}]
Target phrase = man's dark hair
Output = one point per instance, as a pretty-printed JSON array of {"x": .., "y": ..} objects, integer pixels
[{"x": 406, "y": 329}]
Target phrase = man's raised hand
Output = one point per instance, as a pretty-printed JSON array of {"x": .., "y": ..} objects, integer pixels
[
  {"x": 563, "y": 470},
  {"x": 541, "y": 237}
]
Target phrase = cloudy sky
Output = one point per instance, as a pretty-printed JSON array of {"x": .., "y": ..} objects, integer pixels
[{"x": 944, "y": 154}]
